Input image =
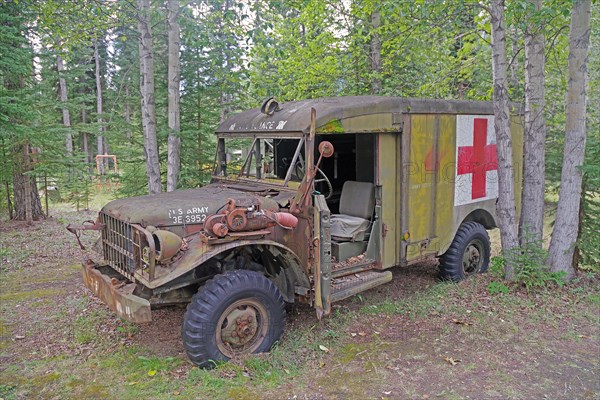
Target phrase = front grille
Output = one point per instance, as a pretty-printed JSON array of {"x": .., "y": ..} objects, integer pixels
[{"x": 122, "y": 245}]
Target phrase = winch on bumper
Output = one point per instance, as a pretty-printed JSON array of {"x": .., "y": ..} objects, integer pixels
[{"x": 116, "y": 294}]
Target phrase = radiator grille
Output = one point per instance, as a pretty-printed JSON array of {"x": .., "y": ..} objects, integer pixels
[{"x": 122, "y": 245}]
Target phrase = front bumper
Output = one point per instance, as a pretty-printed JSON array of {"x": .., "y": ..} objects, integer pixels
[{"x": 118, "y": 295}]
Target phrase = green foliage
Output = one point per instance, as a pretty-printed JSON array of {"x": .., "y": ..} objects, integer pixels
[
  {"x": 234, "y": 55},
  {"x": 8, "y": 392},
  {"x": 155, "y": 364},
  {"x": 496, "y": 266},
  {"x": 77, "y": 187},
  {"x": 133, "y": 179},
  {"x": 497, "y": 288},
  {"x": 530, "y": 268},
  {"x": 588, "y": 243}
]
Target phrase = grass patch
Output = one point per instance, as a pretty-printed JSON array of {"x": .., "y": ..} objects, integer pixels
[
  {"x": 593, "y": 298},
  {"x": 28, "y": 295},
  {"x": 8, "y": 392},
  {"x": 419, "y": 305},
  {"x": 84, "y": 351},
  {"x": 11, "y": 258}
]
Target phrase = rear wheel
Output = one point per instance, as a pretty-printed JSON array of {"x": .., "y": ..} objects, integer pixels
[
  {"x": 239, "y": 312},
  {"x": 468, "y": 254}
]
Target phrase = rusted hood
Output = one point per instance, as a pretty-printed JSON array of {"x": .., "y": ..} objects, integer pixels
[{"x": 184, "y": 207}]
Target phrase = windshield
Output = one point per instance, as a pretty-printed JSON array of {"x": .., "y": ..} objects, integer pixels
[{"x": 274, "y": 159}]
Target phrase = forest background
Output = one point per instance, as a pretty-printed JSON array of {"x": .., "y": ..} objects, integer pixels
[{"x": 79, "y": 77}]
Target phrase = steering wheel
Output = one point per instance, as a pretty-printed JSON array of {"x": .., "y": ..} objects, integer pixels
[{"x": 299, "y": 172}]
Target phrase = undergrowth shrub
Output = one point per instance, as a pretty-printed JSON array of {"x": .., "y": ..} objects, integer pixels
[{"x": 531, "y": 270}]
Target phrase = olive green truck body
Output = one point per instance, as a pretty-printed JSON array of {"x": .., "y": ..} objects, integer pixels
[{"x": 310, "y": 201}]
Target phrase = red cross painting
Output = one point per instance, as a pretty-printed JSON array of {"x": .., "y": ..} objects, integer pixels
[{"x": 476, "y": 159}]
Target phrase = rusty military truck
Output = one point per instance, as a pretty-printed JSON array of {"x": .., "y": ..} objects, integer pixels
[{"x": 310, "y": 201}]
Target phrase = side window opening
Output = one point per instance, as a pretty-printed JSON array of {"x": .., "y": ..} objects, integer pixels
[{"x": 353, "y": 160}]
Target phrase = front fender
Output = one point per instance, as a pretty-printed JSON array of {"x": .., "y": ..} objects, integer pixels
[{"x": 199, "y": 252}]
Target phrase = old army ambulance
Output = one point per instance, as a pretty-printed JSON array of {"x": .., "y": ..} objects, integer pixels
[{"x": 310, "y": 201}]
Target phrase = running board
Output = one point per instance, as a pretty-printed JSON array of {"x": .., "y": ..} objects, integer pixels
[
  {"x": 339, "y": 271},
  {"x": 350, "y": 285}
]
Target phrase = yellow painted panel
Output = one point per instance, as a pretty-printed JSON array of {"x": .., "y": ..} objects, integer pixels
[
  {"x": 444, "y": 199},
  {"x": 388, "y": 179},
  {"x": 420, "y": 180}
]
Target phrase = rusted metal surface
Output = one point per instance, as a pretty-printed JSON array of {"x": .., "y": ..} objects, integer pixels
[
  {"x": 324, "y": 253},
  {"x": 350, "y": 285},
  {"x": 88, "y": 225},
  {"x": 300, "y": 200},
  {"x": 167, "y": 244},
  {"x": 184, "y": 211},
  {"x": 116, "y": 294},
  {"x": 129, "y": 248},
  {"x": 244, "y": 218},
  {"x": 347, "y": 114}
]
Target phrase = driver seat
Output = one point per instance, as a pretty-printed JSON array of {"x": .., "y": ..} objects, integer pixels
[{"x": 356, "y": 209}]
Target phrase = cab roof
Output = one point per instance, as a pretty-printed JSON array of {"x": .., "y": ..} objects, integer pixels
[{"x": 346, "y": 114}]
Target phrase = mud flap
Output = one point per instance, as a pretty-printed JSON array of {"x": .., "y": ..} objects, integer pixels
[{"x": 118, "y": 298}]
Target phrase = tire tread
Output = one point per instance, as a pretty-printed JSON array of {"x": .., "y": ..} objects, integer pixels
[{"x": 451, "y": 261}]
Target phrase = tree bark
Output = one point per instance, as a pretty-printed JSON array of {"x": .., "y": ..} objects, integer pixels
[
  {"x": 174, "y": 142},
  {"x": 127, "y": 114},
  {"x": 85, "y": 138},
  {"x": 506, "y": 192},
  {"x": 564, "y": 236},
  {"x": 199, "y": 119},
  {"x": 375, "y": 53},
  {"x": 62, "y": 85},
  {"x": 199, "y": 139},
  {"x": 100, "y": 139},
  {"x": 514, "y": 65},
  {"x": 147, "y": 98},
  {"x": 532, "y": 205},
  {"x": 28, "y": 206}
]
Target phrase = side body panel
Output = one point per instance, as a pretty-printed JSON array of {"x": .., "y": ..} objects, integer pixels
[
  {"x": 387, "y": 181},
  {"x": 428, "y": 153},
  {"x": 429, "y": 218}
]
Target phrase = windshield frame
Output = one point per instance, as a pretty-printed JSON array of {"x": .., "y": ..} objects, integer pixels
[{"x": 220, "y": 171}]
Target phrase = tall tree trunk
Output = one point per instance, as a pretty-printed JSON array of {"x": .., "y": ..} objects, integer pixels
[
  {"x": 174, "y": 143},
  {"x": 28, "y": 206},
  {"x": 85, "y": 140},
  {"x": 27, "y": 184},
  {"x": 62, "y": 85},
  {"x": 225, "y": 106},
  {"x": 532, "y": 206},
  {"x": 375, "y": 53},
  {"x": 100, "y": 139},
  {"x": 127, "y": 113},
  {"x": 564, "y": 236},
  {"x": 199, "y": 138},
  {"x": 199, "y": 118},
  {"x": 506, "y": 192},
  {"x": 147, "y": 98},
  {"x": 514, "y": 65}
]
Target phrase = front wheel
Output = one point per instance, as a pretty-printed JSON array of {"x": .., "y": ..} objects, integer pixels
[
  {"x": 238, "y": 312},
  {"x": 468, "y": 254}
]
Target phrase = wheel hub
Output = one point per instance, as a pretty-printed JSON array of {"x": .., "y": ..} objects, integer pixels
[
  {"x": 240, "y": 327},
  {"x": 471, "y": 258}
]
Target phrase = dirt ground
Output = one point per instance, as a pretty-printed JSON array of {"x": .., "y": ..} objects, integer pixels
[{"x": 414, "y": 338}]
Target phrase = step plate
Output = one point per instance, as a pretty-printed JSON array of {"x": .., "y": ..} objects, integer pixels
[
  {"x": 340, "y": 269},
  {"x": 342, "y": 288}
]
